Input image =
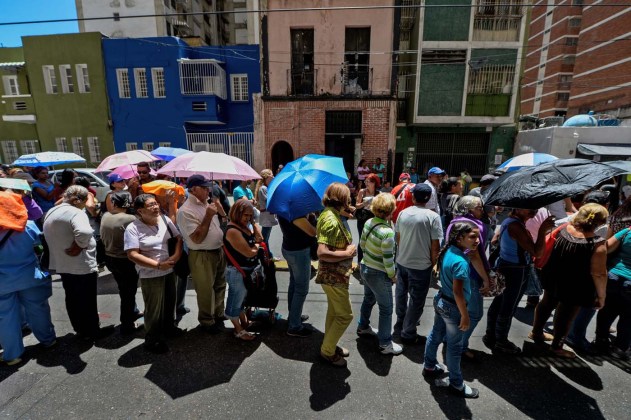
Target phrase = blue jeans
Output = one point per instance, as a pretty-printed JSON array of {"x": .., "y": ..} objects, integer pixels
[
  {"x": 503, "y": 307},
  {"x": 446, "y": 322},
  {"x": 475, "y": 307},
  {"x": 236, "y": 292},
  {"x": 377, "y": 289},
  {"x": 35, "y": 303},
  {"x": 578, "y": 331},
  {"x": 299, "y": 263},
  {"x": 266, "y": 231},
  {"x": 416, "y": 283}
]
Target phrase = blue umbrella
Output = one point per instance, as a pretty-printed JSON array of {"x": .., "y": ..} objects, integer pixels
[
  {"x": 298, "y": 189},
  {"x": 48, "y": 159},
  {"x": 525, "y": 160},
  {"x": 169, "y": 153}
]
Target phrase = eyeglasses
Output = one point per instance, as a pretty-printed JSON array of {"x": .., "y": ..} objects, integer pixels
[
  {"x": 143, "y": 172},
  {"x": 154, "y": 204}
]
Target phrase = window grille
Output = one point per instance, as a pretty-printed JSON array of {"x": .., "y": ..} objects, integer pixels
[{"x": 202, "y": 77}]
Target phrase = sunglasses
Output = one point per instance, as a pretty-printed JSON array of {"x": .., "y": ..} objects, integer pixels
[{"x": 143, "y": 172}]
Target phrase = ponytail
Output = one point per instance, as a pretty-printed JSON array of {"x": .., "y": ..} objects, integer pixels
[{"x": 458, "y": 230}]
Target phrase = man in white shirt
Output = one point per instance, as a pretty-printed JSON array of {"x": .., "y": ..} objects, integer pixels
[
  {"x": 418, "y": 234},
  {"x": 199, "y": 224},
  {"x": 434, "y": 178}
]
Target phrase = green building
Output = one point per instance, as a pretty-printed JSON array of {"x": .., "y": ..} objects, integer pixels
[
  {"x": 459, "y": 84},
  {"x": 61, "y": 100}
]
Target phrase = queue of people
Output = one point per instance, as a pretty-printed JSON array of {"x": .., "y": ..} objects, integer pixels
[{"x": 403, "y": 243}]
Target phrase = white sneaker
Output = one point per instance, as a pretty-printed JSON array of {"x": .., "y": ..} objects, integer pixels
[
  {"x": 370, "y": 331},
  {"x": 392, "y": 348}
]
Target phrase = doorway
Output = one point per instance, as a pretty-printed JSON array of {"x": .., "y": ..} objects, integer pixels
[
  {"x": 282, "y": 153},
  {"x": 343, "y": 137}
]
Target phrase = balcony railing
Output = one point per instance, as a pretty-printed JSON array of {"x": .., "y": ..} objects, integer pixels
[
  {"x": 202, "y": 77},
  {"x": 357, "y": 80},
  {"x": 496, "y": 28},
  {"x": 301, "y": 82}
]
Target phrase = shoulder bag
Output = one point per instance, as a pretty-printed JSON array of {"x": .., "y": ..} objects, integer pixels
[{"x": 181, "y": 267}]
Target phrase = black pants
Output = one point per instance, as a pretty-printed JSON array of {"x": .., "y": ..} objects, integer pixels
[
  {"x": 81, "y": 302},
  {"x": 617, "y": 303},
  {"x": 564, "y": 314},
  {"x": 503, "y": 307},
  {"x": 124, "y": 272}
]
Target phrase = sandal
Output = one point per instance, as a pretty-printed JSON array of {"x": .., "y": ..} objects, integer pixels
[
  {"x": 245, "y": 335},
  {"x": 561, "y": 352},
  {"x": 540, "y": 338}
]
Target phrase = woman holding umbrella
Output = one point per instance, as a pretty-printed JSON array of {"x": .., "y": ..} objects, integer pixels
[
  {"x": 335, "y": 252},
  {"x": 516, "y": 251}
]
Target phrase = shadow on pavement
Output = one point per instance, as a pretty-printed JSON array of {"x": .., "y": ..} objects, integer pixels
[
  {"x": 328, "y": 385},
  {"x": 299, "y": 349},
  {"x": 196, "y": 361},
  {"x": 368, "y": 348},
  {"x": 454, "y": 408},
  {"x": 66, "y": 353},
  {"x": 522, "y": 381}
]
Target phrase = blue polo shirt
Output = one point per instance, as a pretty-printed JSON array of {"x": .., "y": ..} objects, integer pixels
[
  {"x": 455, "y": 266},
  {"x": 19, "y": 268},
  {"x": 242, "y": 192},
  {"x": 620, "y": 264}
]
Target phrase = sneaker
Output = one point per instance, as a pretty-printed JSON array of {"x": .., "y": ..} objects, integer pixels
[
  {"x": 304, "y": 318},
  {"x": 12, "y": 362},
  {"x": 336, "y": 360},
  {"x": 368, "y": 331},
  {"x": 158, "y": 347},
  {"x": 304, "y": 332},
  {"x": 417, "y": 339},
  {"x": 465, "y": 392},
  {"x": 433, "y": 373},
  {"x": 540, "y": 338},
  {"x": 342, "y": 351},
  {"x": 392, "y": 348},
  {"x": 489, "y": 341},
  {"x": 506, "y": 347}
]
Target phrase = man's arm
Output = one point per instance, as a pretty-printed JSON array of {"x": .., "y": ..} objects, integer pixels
[
  {"x": 187, "y": 220},
  {"x": 435, "y": 250}
]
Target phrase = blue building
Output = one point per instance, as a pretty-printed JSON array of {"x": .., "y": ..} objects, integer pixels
[{"x": 164, "y": 92}]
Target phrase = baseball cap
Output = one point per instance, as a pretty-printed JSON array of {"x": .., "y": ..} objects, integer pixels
[
  {"x": 115, "y": 178},
  {"x": 198, "y": 181},
  {"x": 487, "y": 179},
  {"x": 422, "y": 193},
  {"x": 121, "y": 199},
  {"x": 598, "y": 197},
  {"x": 435, "y": 171},
  {"x": 404, "y": 175}
]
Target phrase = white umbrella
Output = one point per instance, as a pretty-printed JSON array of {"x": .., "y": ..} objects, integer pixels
[
  {"x": 131, "y": 157},
  {"x": 210, "y": 165},
  {"x": 48, "y": 159}
]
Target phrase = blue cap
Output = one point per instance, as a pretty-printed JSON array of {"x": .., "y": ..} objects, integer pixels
[
  {"x": 115, "y": 178},
  {"x": 422, "y": 193},
  {"x": 435, "y": 171}
]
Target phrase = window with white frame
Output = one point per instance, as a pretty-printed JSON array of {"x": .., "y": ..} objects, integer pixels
[
  {"x": 50, "y": 79},
  {"x": 83, "y": 78},
  {"x": 62, "y": 144},
  {"x": 94, "y": 149},
  {"x": 28, "y": 146},
  {"x": 140, "y": 80},
  {"x": 164, "y": 144},
  {"x": 11, "y": 87},
  {"x": 239, "y": 87},
  {"x": 492, "y": 79},
  {"x": 157, "y": 79},
  {"x": 122, "y": 77},
  {"x": 131, "y": 146},
  {"x": 67, "y": 82},
  {"x": 10, "y": 151},
  {"x": 148, "y": 146},
  {"x": 77, "y": 146}
]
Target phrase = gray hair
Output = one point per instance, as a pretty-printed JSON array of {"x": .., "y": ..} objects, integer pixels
[
  {"x": 75, "y": 192},
  {"x": 466, "y": 204}
]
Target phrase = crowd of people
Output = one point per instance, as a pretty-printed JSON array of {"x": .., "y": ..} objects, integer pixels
[{"x": 580, "y": 257}]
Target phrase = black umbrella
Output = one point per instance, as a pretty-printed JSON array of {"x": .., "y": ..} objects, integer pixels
[{"x": 538, "y": 186}]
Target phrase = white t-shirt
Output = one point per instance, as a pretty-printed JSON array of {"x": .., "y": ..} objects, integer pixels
[
  {"x": 417, "y": 227},
  {"x": 433, "y": 203},
  {"x": 151, "y": 241}
]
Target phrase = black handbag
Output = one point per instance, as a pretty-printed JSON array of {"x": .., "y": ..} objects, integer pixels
[{"x": 181, "y": 268}]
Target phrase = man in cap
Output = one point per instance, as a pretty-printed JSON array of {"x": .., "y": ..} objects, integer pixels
[
  {"x": 434, "y": 178},
  {"x": 418, "y": 234},
  {"x": 113, "y": 224},
  {"x": 402, "y": 193},
  {"x": 199, "y": 224}
]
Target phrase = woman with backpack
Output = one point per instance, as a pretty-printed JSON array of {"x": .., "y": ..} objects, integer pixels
[
  {"x": 378, "y": 273},
  {"x": 450, "y": 303}
]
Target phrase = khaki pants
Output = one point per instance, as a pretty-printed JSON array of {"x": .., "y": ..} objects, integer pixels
[
  {"x": 207, "y": 272},
  {"x": 339, "y": 315}
]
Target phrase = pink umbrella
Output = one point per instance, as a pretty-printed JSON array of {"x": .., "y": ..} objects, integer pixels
[
  {"x": 210, "y": 165},
  {"x": 130, "y": 171},
  {"x": 131, "y": 157}
]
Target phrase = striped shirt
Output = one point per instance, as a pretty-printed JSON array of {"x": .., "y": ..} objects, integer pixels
[{"x": 378, "y": 248}]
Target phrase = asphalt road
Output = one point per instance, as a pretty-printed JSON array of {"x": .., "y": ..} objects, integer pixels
[{"x": 278, "y": 377}]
